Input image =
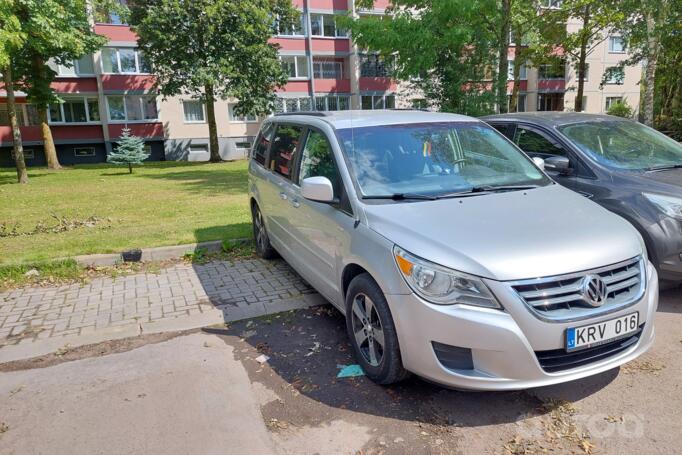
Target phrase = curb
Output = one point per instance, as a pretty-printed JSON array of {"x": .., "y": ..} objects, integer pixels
[
  {"x": 30, "y": 349},
  {"x": 162, "y": 253}
]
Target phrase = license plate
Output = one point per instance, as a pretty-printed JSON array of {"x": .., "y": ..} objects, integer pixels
[{"x": 602, "y": 332}]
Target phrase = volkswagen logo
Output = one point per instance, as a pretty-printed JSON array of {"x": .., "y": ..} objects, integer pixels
[{"x": 594, "y": 290}]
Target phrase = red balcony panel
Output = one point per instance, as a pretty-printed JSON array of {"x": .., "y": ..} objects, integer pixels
[
  {"x": 28, "y": 133},
  {"x": 295, "y": 86},
  {"x": 328, "y": 4},
  {"x": 17, "y": 98},
  {"x": 551, "y": 85},
  {"x": 75, "y": 84},
  {"x": 523, "y": 86},
  {"x": 290, "y": 44},
  {"x": 331, "y": 45},
  {"x": 298, "y": 3},
  {"x": 381, "y": 4},
  {"x": 143, "y": 130},
  {"x": 377, "y": 84},
  {"x": 127, "y": 82},
  {"x": 74, "y": 132},
  {"x": 116, "y": 32},
  {"x": 332, "y": 85}
]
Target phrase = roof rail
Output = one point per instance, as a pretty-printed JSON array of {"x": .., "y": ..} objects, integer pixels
[
  {"x": 312, "y": 113},
  {"x": 408, "y": 109}
]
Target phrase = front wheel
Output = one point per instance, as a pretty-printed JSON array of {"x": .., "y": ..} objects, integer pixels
[
  {"x": 371, "y": 331},
  {"x": 263, "y": 247}
]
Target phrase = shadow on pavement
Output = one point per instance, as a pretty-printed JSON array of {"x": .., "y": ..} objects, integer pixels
[
  {"x": 305, "y": 348},
  {"x": 670, "y": 301}
]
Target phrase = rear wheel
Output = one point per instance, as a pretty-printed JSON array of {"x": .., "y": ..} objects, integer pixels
[
  {"x": 371, "y": 331},
  {"x": 263, "y": 247}
]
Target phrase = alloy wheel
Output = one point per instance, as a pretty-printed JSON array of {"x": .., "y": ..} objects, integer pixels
[{"x": 367, "y": 329}]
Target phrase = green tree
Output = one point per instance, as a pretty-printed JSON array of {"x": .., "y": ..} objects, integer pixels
[
  {"x": 594, "y": 18},
  {"x": 212, "y": 49},
  {"x": 12, "y": 37},
  {"x": 57, "y": 30},
  {"x": 130, "y": 150},
  {"x": 445, "y": 48},
  {"x": 620, "y": 109}
]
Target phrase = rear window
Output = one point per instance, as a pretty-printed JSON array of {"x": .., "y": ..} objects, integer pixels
[{"x": 260, "y": 148}]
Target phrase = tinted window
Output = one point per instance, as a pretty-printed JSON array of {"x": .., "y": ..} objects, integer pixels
[
  {"x": 317, "y": 160},
  {"x": 505, "y": 128},
  {"x": 283, "y": 151},
  {"x": 260, "y": 148},
  {"x": 535, "y": 143}
]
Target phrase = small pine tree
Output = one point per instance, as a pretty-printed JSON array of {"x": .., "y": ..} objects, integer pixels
[{"x": 130, "y": 150}]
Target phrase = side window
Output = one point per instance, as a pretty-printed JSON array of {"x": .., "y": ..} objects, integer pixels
[
  {"x": 317, "y": 160},
  {"x": 505, "y": 128},
  {"x": 535, "y": 143},
  {"x": 283, "y": 150},
  {"x": 260, "y": 148}
]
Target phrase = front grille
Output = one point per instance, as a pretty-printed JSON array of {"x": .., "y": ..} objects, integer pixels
[
  {"x": 560, "y": 360},
  {"x": 560, "y": 298}
]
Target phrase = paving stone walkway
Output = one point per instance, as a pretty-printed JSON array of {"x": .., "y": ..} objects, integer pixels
[{"x": 227, "y": 290}]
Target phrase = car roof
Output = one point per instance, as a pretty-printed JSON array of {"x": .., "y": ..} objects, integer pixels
[
  {"x": 361, "y": 118},
  {"x": 552, "y": 118}
]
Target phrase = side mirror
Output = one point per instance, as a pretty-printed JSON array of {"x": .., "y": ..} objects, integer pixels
[
  {"x": 318, "y": 189},
  {"x": 559, "y": 164},
  {"x": 539, "y": 162}
]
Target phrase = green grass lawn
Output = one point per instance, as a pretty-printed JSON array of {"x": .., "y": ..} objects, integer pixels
[{"x": 166, "y": 203}]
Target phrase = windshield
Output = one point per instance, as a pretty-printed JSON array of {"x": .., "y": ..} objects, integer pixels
[
  {"x": 434, "y": 159},
  {"x": 624, "y": 145}
]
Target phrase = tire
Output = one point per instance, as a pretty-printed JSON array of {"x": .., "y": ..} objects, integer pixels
[
  {"x": 381, "y": 363},
  {"x": 260, "y": 235}
]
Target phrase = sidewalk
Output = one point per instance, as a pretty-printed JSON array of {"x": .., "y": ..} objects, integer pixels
[{"x": 38, "y": 320}]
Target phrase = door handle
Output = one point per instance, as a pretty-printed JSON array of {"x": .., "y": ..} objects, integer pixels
[
  {"x": 283, "y": 196},
  {"x": 295, "y": 203}
]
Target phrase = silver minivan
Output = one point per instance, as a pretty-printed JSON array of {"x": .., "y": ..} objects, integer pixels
[{"x": 451, "y": 254}]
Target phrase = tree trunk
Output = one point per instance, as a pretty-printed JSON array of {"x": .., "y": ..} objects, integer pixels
[
  {"x": 46, "y": 132},
  {"x": 514, "y": 101},
  {"x": 582, "y": 60},
  {"x": 130, "y": 168},
  {"x": 212, "y": 127},
  {"x": 503, "y": 58},
  {"x": 22, "y": 176},
  {"x": 650, "y": 71}
]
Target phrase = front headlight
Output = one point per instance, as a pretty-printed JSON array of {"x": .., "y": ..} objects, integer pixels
[
  {"x": 440, "y": 285},
  {"x": 669, "y": 205}
]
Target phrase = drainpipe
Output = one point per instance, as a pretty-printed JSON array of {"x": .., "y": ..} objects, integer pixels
[
  {"x": 354, "y": 65},
  {"x": 309, "y": 42}
]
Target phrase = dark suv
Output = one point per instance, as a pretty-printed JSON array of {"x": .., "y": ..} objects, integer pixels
[{"x": 626, "y": 167}]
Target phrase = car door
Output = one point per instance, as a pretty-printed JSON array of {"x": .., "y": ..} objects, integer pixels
[
  {"x": 319, "y": 229},
  {"x": 538, "y": 142},
  {"x": 276, "y": 188}
]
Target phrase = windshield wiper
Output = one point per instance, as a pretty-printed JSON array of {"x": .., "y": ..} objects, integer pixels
[
  {"x": 403, "y": 197},
  {"x": 488, "y": 189},
  {"x": 663, "y": 168}
]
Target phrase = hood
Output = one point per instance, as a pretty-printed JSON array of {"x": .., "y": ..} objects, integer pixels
[
  {"x": 669, "y": 180},
  {"x": 509, "y": 236}
]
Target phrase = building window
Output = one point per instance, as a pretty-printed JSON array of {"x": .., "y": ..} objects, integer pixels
[
  {"x": 84, "y": 151},
  {"x": 373, "y": 102},
  {"x": 551, "y": 4},
  {"x": 520, "y": 102},
  {"x": 611, "y": 100},
  {"x": 132, "y": 108},
  {"x": 296, "y": 66},
  {"x": 614, "y": 75},
  {"x": 587, "y": 72},
  {"x": 292, "y": 104},
  {"x": 550, "y": 102},
  {"x": 29, "y": 154},
  {"x": 240, "y": 145},
  {"x": 249, "y": 118},
  {"x": 104, "y": 15},
  {"x": 552, "y": 71},
  {"x": 198, "y": 148},
  {"x": 374, "y": 65},
  {"x": 330, "y": 69},
  {"x": 616, "y": 45},
  {"x": 332, "y": 102},
  {"x": 194, "y": 111},
  {"x": 523, "y": 72},
  {"x": 419, "y": 103},
  {"x": 74, "y": 110},
  {"x": 124, "y": 60},
  {"x": 297, "y": 28},
  {"x": 325, "y": 25},
  {"x": 80, "y": 67},
  {"x": 27, "y": 114}
]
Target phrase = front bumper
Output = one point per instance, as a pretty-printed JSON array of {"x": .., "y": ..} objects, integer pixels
[{"x": 503, "y": 343}]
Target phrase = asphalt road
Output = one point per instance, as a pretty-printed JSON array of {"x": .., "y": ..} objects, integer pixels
[{"x": 206, "y": 392}]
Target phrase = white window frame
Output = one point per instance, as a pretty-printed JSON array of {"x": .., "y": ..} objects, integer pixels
[
  {"x": 383, "y": 101},
  {"x": 338, "y": 68},
  {"x": 622, "y": 44},
  {"x": 118, "y": 61},
  {"x": 91, "y": 149},
  {"x": 297, "y": 77},
  {"x": 609, "y": 101},
  {"x": 198, "y": 148},
  {"x": 239, "y": 119},
  {"x": 338, "y": 97},
  {"x": 303, "y": 24},
  {"x": 523, "y": 71},
  {"x": 61, "y": 110},
  {"x": 283, "y": 103},
  {"x": 613, "y": 81},
  {"x": 125, "y": 109},
  {"x": 203, "y": 112},
  {"x": 325, "y": 17}
]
